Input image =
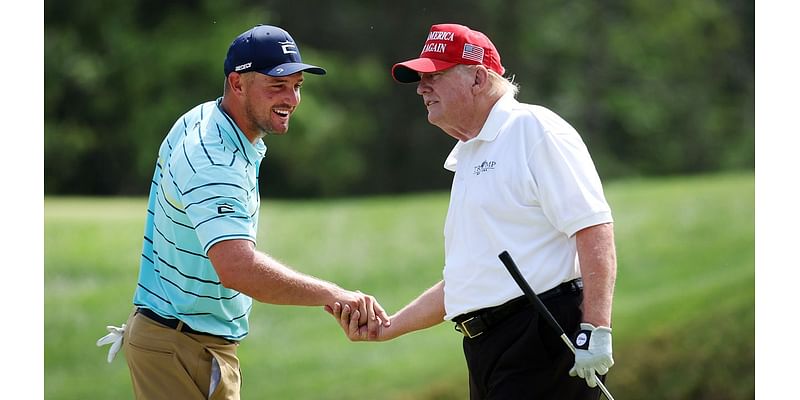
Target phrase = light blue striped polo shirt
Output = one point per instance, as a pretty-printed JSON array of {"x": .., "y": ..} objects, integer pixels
[{"x": 204, "y": 190}]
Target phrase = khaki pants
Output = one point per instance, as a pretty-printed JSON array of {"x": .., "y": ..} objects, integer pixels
[{"x": 169, "y": 364}]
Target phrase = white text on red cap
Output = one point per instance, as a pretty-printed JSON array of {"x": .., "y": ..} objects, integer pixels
[
  {"x": 441, "y": 35},
  {"x": 437, "y": 47}
]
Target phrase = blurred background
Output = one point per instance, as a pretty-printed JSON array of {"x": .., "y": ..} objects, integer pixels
[
  {"x": 661, "y": 92},
  {"x": 655, "y": 88}
]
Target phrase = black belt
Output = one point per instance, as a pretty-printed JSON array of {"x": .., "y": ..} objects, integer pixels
[
  {"x": 477, "y": 322},
  {"x": 172, "y": 323}
]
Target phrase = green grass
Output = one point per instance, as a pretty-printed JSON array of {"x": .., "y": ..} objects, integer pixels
[{"x": 683, "y": 314}]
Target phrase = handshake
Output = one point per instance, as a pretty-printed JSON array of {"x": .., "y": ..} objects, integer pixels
[{"x": 360, "y": 316}]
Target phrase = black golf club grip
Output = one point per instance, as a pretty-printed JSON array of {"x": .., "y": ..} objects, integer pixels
[{"x": 512, "y": 268}]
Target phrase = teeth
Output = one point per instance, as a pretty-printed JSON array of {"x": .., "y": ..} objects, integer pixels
[{"x": 282, "y": 113}]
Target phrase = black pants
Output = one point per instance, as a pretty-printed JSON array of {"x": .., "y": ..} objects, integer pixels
[{"x": 524, "y": 358}]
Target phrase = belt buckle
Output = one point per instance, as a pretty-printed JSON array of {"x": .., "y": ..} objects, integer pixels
[{"x": 466, "y": 331}]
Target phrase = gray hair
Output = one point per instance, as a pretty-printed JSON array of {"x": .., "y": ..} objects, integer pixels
[
  {"x": 501, "y": 85},
  {"x": 498, "y": 85}
]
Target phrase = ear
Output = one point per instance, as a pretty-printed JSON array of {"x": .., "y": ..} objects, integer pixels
[
  {"x": 236, "y": 83},
  {"x": 481, "y": 81}
]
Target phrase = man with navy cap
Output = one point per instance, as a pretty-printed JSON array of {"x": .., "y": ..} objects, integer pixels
[
  {"x": 199, "y": 268},
  {"x": 524, "y": 183}
]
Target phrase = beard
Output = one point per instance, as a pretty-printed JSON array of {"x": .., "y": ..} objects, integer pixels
[{"x": 262, "y": 120}]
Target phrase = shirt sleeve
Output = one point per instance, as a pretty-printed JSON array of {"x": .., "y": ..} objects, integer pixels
[
  {"x": 216, "y": 202},
  {"x": 568, "y": 186}
]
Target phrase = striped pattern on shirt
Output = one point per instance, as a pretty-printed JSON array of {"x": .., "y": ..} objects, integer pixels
[{"x": 204, "y": 190}]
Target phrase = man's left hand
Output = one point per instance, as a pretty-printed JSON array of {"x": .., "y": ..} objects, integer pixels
[{"x": 592, "y": 353}]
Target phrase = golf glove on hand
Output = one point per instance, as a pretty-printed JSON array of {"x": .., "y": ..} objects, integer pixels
[
  {"x": 592, "y": 353},
  {"x": 115, "y": 338}
]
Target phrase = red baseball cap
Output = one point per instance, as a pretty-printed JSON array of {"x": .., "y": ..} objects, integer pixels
[{"x": 448, "y": 45}]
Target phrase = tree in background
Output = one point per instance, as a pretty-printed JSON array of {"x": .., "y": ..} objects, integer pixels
[{"x": 653, "y": 87}]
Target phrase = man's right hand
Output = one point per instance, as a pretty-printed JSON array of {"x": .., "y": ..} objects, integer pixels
[
  {"x": 357, "y": 331},
  {"x": 367, "y": 313}
]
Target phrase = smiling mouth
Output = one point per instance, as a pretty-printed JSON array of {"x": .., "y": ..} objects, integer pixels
[
  {"x": 429, "y": 102},
  {"x": 282, "y": 113}
]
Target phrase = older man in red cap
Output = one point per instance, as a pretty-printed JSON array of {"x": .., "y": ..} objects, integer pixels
[{"x": 524, "y": 182}]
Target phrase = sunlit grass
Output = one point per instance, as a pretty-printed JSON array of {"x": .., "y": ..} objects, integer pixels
[{"x": 686, "y": 276}]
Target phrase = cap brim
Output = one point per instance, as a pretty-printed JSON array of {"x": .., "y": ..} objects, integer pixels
[
  {"x": 408, "y": 71},
  {"x": 293, "y": 68}
]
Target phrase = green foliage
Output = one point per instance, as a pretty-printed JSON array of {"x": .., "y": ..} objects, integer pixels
[
  {"x": 117, "y": 76},
  {"x": 683, "y": 307},
  {"x": 654, "y": 87}
]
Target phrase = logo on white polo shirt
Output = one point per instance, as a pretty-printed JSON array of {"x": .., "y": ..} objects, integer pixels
[{"x": 485, "y": 166}]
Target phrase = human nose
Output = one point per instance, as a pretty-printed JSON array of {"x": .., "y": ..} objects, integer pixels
[
  {"x": 293, "y": 97},
  {"x": 423, "y": 87}
]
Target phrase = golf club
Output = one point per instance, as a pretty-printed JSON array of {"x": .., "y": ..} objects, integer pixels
[{"x": 512, "y": 268}]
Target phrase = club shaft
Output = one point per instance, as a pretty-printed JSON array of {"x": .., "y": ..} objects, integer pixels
[{"x": 512, "y": 268}]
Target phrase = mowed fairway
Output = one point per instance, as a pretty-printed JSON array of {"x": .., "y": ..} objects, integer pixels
[{"x": 684, "y": 303}]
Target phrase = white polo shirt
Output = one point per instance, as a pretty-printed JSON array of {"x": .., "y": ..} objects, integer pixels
[{"x": 525, "y": 184}]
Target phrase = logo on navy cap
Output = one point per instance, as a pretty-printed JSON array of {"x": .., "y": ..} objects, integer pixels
[{"x": 288, "y": 47}]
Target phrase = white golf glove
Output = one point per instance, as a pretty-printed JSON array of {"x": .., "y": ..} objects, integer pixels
[
  {"x": 592, "y": 353},
  {"x": 115, "y": 338}
]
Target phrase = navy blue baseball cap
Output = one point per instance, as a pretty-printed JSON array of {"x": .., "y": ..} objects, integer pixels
[{"x": 269, "y": 50}]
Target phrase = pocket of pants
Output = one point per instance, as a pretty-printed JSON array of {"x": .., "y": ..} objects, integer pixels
[
  {"x": 160, "y": 369},
  {"x": 215, "y": 376},
  {"x": 229, "y": 383}
]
